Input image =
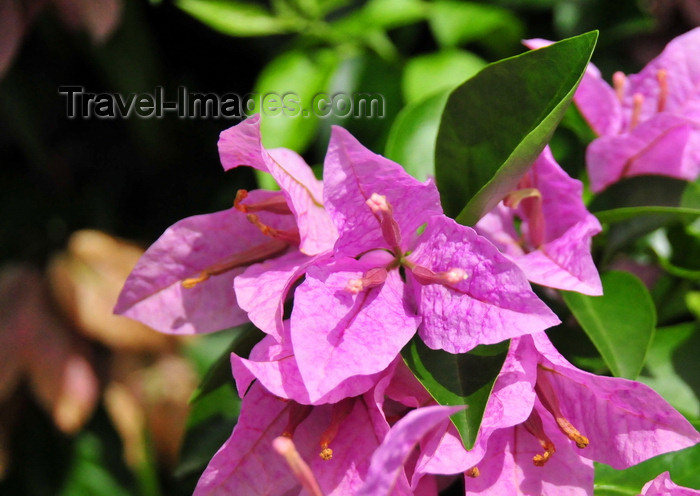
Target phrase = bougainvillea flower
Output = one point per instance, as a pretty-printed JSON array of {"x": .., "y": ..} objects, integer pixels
[
  {"x": 399, "y": 266},
  {"x": 647, "y": 123},
  {"x": 184, "y": 282},
  {"x": 553, "y": 246},
  {"x": 662, "y": 485},
  {"x": 273, "y": 364},
  {"x": 388, "y": 460},
  {"x": 336, "y": 442},
  {"x": 543, "y": 442},
  {"x": 242, "y": 145}
]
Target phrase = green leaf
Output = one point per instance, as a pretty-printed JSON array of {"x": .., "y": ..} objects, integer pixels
[
  {"x": 497, "y": 123},
  {"x": 209, "y": 424},
  {"x": 301, "y": 76},
  {"x": 666, "y": 213},
  {"x": 684, "y": 257},
  {"x": 664, "y": 366},
  {"x": 691, "y": 195},
  {"x": 458, "y": 379},
  {"x": 620, "y": 323},
  {"x": 388, "y": 14},
  {"x": 692, "y": 300},
  {"x": 682, "y": 465},
  {"x": 455, "y": 23},
  {"x": 411, "y": 141},
  {"x": 236, "y": 18},
  {"x": 428, "y": 74},
  {"x": 220, "y": 371},
  {"x": 91, "y": 472}
]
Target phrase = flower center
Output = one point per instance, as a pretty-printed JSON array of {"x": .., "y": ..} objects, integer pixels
[
  {"x": 530, "y": 201},
  {"x": 619, "y": 83},
  {"x": 391, "y": 232}
]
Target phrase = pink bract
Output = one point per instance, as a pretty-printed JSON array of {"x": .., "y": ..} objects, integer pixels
[{"x": 553, "y": 247}]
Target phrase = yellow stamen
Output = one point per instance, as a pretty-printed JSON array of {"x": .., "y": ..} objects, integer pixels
[
  {"x": 547, "y": 395},
  {"x": 540, "y": 460},
  {"x": 637, "y": 102},
  {"x": 619, "y": 80},
  {"x": 534, "y": 426},
  {"x": 661, "y": 77},
  {"x": 531, "y": 200},
  {"x": 253, "y": 255},
  {"x": 514, "y": 198},
  {"x": 276, "y": 204},
  {"x": 297, "y": 414},
  {"x": 473, "y": 472},
  {"x": 339, "y": 412},
  {"x": 285, "y": 447},
  {"x": 326, "y": 453},
  {"x": 290, "y": 235}
]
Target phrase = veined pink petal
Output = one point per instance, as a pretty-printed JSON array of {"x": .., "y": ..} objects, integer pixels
[
  {"x": 507, "y": 467},
  {"x": 337, "y": 335},
  {"x": 679, "y": 60},
  {"x": 246, "y": 464},
  {"x": 242, "y": 145},
  {"x": 351, "y": 175},
  {"x": 510, "y": 404},
  {"x": 405, "y": 388},
  {"x": 275, "y": 366},
  {"x": 262, "y": 289},
  {"x": 626, "y": 422},
  {"x": 388, "y": 460},
  {"x": 662, "y": 485},
  {"x": 498, "y": 227},
  {"x": 563, "y": 259},
  {"x": 494, "y": 303},
  {"x": 154, "y": 293},
  {"x": 566, "y": 263},
  {"x": 656, "y": 146}
]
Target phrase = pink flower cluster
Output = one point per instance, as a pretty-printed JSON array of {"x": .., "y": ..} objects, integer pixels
[{"x": 366, "y": 260}]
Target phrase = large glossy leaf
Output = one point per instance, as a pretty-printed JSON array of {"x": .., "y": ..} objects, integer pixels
[
  {"x": 497, "y": 123},
  {"x": 458, "y": 379},
  {"x": 620, "y": 323},
  {"x": 683, "y": 466},
  {"x": 411, "y": 141},
  {"x": 236, "y": 18}
]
